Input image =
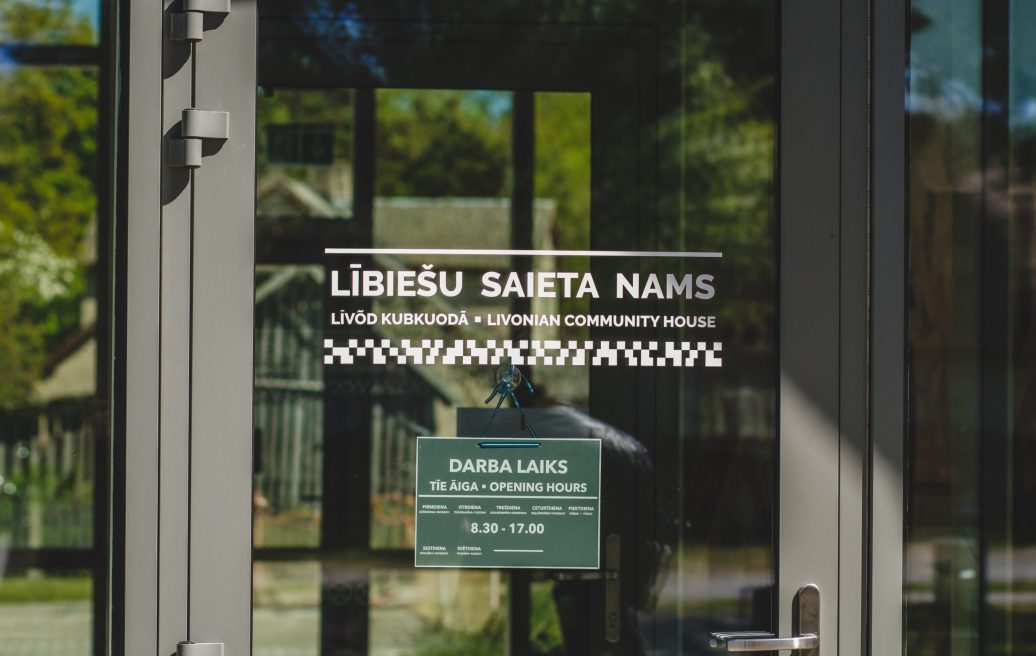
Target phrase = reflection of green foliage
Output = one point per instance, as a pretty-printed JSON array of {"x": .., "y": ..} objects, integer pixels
[
  {"x": 563, "y": 163},
  {"x": 563, "y": 175},
  {"x": 47, "y": 146},
  {"x": 441, "y": 143},
  {"x": 728, "y": 194},
  {"x": 21, "y": 356},
  {"x": 544, "y": 625},
  {"x": 65, "y": 500},
  {"x": 430, "y": 143},
  {"x": 19, "y": 590},
  {"x": 48, "y": 122},
  {"x": 43, "y": 21},
  {"x": 36, "y": 483},
  {"x": 489, "y": 641}
]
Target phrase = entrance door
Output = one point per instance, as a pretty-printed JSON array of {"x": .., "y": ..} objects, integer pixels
[{"x": 392, "y": 213}]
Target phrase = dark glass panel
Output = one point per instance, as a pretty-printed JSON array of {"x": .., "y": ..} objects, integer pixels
[{"x": 971, "y": 547}]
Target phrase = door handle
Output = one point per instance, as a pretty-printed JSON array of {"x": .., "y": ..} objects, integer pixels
[
  {"x": 761, "y": 641},
  {"x": 805, "y": 618}
]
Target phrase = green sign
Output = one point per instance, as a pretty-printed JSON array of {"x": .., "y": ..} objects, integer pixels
[{"x": 508, "y": 503}]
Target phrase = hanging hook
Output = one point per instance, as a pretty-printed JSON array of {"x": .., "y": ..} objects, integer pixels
[{"x": 508, "y": 379}]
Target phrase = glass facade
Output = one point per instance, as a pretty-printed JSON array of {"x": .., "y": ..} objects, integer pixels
[
  {"x": 54, "y": 331},
  {"x": 971, "y": 530}
]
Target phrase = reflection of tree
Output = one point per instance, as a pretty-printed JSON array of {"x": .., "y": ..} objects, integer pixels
[
  {"x": 44, "y": 21},
  {"x": 563, "y": 163},
  {"x": 728, "y": 138},
  {"x": 442, "y": 143},
  {"x": 429, "y": 143},
  {"x": 562, "y": 151},
  {"x": 48, "y": 126}
]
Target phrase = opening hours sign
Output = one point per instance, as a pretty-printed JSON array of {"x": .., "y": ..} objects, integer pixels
[{"x": 506, "y": 503}]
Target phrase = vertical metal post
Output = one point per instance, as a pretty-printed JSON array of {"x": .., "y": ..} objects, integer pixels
[
  {"x": 222, "y": 270},
  {"x": 140, "y": 410},
  {"x": 809, "y": 323},
  {"x": 995, "y": 523},
  {"x": 888, "y": 325},
  {"x": 104, "y": 413},
  {"x": 853, "y": 263},
  {"x": 522, "y": 208}
]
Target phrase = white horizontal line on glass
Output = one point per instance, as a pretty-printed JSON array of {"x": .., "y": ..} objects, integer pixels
[
  {"x": 518, "y": 550},
  {"x": 492, "y": 251}
]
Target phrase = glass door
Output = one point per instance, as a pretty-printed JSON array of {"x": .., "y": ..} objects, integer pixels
[
  {"x": 453, "y": 179},
  {"x": 523, "y": 171},
  {"x": 579, "y": 210}
]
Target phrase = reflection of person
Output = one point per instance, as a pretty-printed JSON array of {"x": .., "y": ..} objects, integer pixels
[{"x": 630, "y": 510}]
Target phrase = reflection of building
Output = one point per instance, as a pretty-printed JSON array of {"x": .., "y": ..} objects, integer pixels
[
  {"x": 289, "y": 405},
  {"x": 48, "y": 447},
  {"x": 410, "y": 223},
  {"x": 292, "y": 314}
]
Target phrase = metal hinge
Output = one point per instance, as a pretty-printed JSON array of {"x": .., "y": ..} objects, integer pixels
[
  {"x": 196, "y": 127},
  {"x": 199, "y": 649},
  {"x": 189, "y": 24}
]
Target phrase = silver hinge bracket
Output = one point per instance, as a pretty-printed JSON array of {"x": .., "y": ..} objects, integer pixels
[
  {"x": 196, "y": 127},
  {"x": 189, "y": 24},
  {"x": 199, "y": 649}
]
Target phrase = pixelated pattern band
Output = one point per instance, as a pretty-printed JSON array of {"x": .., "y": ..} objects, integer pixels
[{"x": 549, "y": 352}]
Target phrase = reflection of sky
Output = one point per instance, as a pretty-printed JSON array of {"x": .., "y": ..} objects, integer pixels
[
  {"x": 7, "y": 65},
  {"x": 1023, "y": 64},
  {"x": 90, "y": 9},
  {"x": 946, "y": 61},
  {"x": 496, "y": 104}
]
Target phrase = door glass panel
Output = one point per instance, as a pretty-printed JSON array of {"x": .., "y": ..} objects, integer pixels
[
  {"x": 970, "y": 549},
  {"x": 54, "y": 399},
  {"x": 475, "y": 130}
]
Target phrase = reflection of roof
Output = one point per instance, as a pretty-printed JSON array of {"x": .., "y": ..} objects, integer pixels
[
  {"x": 403, "y": 222},
  {"x": 71, "y": 371},
  {"x": 281, "y": 195},
  {"x": 457, "y": 223}
]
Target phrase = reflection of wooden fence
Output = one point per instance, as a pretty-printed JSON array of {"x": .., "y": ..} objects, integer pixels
[
  {"x": 393, "y": 455},
  {"x": 47, "y": 471},
  {"x": 290, "y": 399},
  {"x": 289, "y": 387},
  {"x": 395, "y": 447},
  {"x": 288, "y": 423}
]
